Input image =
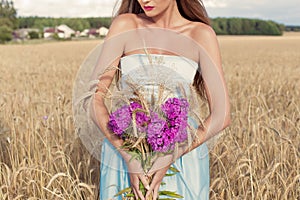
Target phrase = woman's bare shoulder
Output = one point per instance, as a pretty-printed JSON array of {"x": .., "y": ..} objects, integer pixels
[
  {"x": 202, "y": 33},
  {"x": 124, "y": 22},
  {"x": 206, "y": 38}
]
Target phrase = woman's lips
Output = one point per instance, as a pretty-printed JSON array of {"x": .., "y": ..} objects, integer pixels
[{"x": 148, "y": 8}]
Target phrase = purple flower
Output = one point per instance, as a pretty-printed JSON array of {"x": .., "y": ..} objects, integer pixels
[
  {"x": 162, "y": 131},
  {"x": 158, "y": 134},
  {"x": 120, "y": 120},
  {"x": 176, "y": 111},
  {"x": 181, "y": 135},
  {"x": 141, "y": 118},
  {"x": 135, "y": 105},
  {"x": 175, "y": 107}
]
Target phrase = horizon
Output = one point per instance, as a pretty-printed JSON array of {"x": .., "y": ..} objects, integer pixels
[
  {"x": 111, "y": 17},
  {"x": 287, "y": 13}
]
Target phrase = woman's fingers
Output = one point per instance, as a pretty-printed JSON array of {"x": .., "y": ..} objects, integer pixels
[
  {"x": 154, "y": 184},
  {"x": 140, "y": 194},
  {"x": 144, "y": 180},
  {"x": 135, "y": 194},
  {"x": 135, "y": 183},
  {"x": 154, "y": 187},
  {"x": 155, "y": 192},
  {"x": 156, "y": 181},
  {"x": 150, "y": 191}
]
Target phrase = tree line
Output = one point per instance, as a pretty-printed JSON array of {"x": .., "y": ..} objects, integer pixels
[
  {"x": 222, "y": 26},
  {"x": 244, "y": 26},
  {"x": 78, "y": 24}
]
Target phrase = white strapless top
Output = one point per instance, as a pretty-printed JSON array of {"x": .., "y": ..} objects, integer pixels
[{"x": 182, "y": 66}]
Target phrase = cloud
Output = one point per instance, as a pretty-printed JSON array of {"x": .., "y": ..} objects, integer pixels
[
  {"x": 215, "y": 4},
  {"x": 287, "y": 12},
  {"x": 65, "y": 8}
]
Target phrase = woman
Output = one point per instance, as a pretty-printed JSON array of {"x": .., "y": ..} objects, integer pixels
[{"x": 128, "y": 37}]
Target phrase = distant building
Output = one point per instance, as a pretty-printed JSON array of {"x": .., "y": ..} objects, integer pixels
[
  {"x": 62, "y": 31},
  {"x": 49, "y": 33},
  {"x": 93, "y": 33},
  {"x": 84, "y": 33},
  {"x": 103, "y": 31},
  {"x": 67, "y": 31}
]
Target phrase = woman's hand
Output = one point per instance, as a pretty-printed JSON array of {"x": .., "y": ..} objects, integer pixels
[
  {"x": 157, "y": 177},
  {"x": 136, "y": 174}
]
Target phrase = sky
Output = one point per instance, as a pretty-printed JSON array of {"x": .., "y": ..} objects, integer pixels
[{"x": 282, "y": 11}]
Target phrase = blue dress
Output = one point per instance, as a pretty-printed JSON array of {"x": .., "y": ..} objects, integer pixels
[{"x": 192, "y": 182}]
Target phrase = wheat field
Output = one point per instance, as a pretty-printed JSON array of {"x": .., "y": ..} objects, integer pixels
[{"x": 257, "y": 158}]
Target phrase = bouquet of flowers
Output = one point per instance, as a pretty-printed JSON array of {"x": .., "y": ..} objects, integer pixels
[{"x": 151, "y": 129}]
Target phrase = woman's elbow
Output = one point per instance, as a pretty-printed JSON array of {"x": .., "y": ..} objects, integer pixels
[
  {"x": 227, "y": 117},
  {"x": 227, "y": 121}
]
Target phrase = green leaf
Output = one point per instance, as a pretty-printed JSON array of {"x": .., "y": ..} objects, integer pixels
[
  {"x": 173, "y": 169},
  {"x": 126, "y": 190},
  {"x": 170, "y": 174},
  {"x": 162, "y": 183},
  {"x": 142, "y": 188},
  {"x": 170, "y": 194},
  {"x": 129, "y": 195}
]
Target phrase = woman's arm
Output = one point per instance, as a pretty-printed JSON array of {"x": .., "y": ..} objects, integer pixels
[
  {"x": 215, "y": 87},
  {"x": 107, "y": 65},
  {"x": 112, "y": 51},
  {"x": 217, "y": 95}
]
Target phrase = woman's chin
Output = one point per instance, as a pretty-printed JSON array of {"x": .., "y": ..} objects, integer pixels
[{"x": 150, "y": 14}]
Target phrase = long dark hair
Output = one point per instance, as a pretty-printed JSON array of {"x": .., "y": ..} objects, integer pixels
[{"x": 192, "y": 10}]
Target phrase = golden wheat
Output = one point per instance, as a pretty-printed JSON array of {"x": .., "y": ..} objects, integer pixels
[{"x": 258, "y": 158}]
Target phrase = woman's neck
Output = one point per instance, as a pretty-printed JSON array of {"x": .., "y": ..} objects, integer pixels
[{"x": 169, "y": 19}]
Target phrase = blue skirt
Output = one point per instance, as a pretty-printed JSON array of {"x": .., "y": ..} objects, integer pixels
[{"x": 192, "y": 182}]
